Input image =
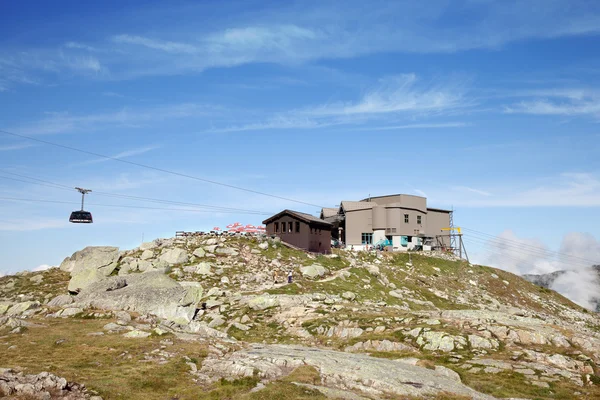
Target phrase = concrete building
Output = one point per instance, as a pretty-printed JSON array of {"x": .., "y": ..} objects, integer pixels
[
  {"x": 400, "y": 222},
  {"x": 301, "y": 230}
]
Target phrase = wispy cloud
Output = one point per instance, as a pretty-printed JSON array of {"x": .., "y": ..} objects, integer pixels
[
  {"x": 297, "y": 33},
  {"x": 125, "y": 117},
  {"x": 397, "y": 97},
  {"x": 397, "y": 94},
  {"x": 564, "y": 190},
  {"x": 473, "y": 190},
  {"x": 440, "y": 125},
  {"x": 17, "y": 146},
  {"x": 566, "y": 107},
  {"x": 167, "y": 46},
  {"x": 123, "y": 154}
]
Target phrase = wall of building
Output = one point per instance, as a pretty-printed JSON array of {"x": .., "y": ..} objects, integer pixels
[
  {"x": 358, "y": 222},
  {"x": 314, "y": 238},
  {"x": 395, "y": 221},
  {"x": 436, "y": 220}
]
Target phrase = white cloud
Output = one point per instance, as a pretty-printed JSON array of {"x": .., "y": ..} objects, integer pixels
[
  {"x": 43, "y": 267},
  {"x": 167, "y": 46},
  {"x": 432, "y": 125},
  {"x": 300, "y": 32},
  {"x": 578, "y": 252},
  {"x": 402, "y": 96},
  {"x": 420, "y": 193},
  {"x": 473, "y": 190},
  {"x": 17, "y": 146},
  {"x": 566, "y": 107},
  {"x": 33, "y": 224},
  {"x": 563, "y": 190},
  {"x": 127, "y": 117},
  {"x": 123, "y": 154}
]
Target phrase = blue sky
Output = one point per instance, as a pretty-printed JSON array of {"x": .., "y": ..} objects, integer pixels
[{"x": 489, "y": 107}]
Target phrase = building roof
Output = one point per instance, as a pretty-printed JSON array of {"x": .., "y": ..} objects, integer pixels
[
  {"x": 300, "y": 215},
  {"x": 439, "y": 210},
  {"x": 356, "y": 205},
  {"x": 329, "y": 212},
  {"x": 391, "y": 195}
]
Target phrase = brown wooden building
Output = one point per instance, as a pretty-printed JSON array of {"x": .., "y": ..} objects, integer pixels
[{"x": 301, "y": 230}]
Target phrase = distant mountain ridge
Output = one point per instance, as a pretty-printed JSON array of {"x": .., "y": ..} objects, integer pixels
[{"x": 547, "y": 280}]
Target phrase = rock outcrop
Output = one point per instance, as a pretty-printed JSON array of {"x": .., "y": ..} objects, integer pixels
[
  {"x": 43, "y": 386},
  {"x": 370, "y": 375},
  {"x": 90, "y": 265},
  {"x": 148, "y": 293}
]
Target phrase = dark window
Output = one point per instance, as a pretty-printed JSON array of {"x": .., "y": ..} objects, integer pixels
[
  {"x": 297, "y": 227},
  {"x": 283, "y": 227},
  {"x": 311, "y": 230},
  {"x": 419, "y": 219},
  {"x": 393, "y": 230},
  {"x": 276, "y": 226},
  {"x": 290, "y": 227},
  {"x": 406, "y": 218},
  {"x": 366, "y": 238}
]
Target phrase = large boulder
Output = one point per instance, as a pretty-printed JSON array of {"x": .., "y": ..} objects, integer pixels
[
  {"x": 20, "y": 308},
  {"x": 92, "y": 257},
  {"x": 313, "y": 271},
  {"x": 175, "y": 256},
  {"x": 263, "y": 302},
  {"x": 148, "y": 293},
  {"x": 90, "y": 265}
]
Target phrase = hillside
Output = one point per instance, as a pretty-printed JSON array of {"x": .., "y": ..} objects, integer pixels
[{"x": 212, "y": 317}]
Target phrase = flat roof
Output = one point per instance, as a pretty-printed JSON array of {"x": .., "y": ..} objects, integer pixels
[
  {"x": 438, "y": 210},
  {"x": 392, "y": 195}
]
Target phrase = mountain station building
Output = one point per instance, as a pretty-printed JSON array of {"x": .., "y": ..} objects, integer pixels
[{"x": 397, "y": 222}]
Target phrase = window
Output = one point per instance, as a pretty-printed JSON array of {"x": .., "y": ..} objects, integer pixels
[
  {"x": 419, "y": 219},
  {"x": 366, "y": 238},
  {"x": 297, "y": 227},
  {"x": 290, "y": 227},
  {"x": 276, "y": 227},
  {"x": 393, "y": 230},
  {"x": 283, "y": 227},
  {"x": 406, "y": 218},
  {"x": 311, "y": 230}
]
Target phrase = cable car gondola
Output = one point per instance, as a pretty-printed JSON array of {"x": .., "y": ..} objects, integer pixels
[{"x": 81, "y": 216}]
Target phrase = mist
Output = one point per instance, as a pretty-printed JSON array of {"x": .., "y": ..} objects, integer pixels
[{"x": 577, "y": 254}]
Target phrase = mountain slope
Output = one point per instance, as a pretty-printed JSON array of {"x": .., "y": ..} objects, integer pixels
[{"x": 174, "y": 318}]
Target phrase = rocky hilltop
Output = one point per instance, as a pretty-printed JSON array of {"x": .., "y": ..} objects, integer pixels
[{"x": 214, "y": 317}]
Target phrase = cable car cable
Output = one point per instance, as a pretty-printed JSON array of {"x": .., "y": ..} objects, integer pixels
[{"x": 159, "y": 169}]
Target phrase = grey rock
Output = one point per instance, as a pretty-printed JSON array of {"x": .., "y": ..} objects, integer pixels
[
  {"x": 313, "y": 271},
  {"x": 228, "y": 251},
  {"x": 263, "y": 245},
  {"x": 375, "y": 376},
  {"x": 199, "y": 252},
  {"x": 137, "y": 334},
  {"x": 147, "y": 293},
  {"x": 263, "y": 302},
  {"x": 204, "y": 269},
  {"x": 147, "y": 254},
  {"x": 93, "y": 257},
  {"x": 349, "y": 296},
  {"x": 71, "y": 311},
  {"x": 60, "y": 300},
  {"x": 20, "y": 308},
  {"x": 174, "y": 256}
]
